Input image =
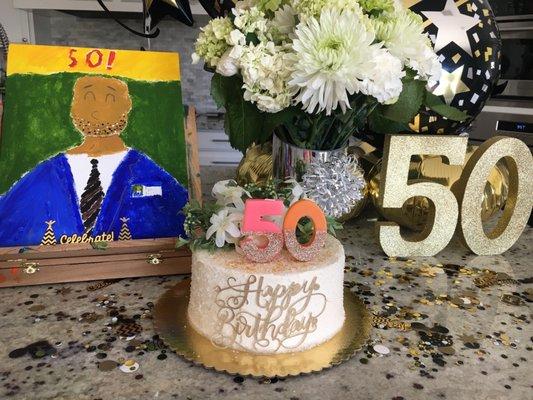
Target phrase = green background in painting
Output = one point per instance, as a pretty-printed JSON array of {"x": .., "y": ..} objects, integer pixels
[{"x": 37, "y": 124}]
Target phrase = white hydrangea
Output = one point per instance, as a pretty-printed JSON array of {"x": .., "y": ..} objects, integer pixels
[
  {"x": 227, "y": 65},
  {"x": 213, "y": 41},
  {"x": 251, "y": 20},
  {"x": 402, "y": 34},
  {"x": 265, "y": 69}
]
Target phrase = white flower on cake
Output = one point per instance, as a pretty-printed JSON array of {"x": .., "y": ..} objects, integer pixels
[
  {"x": 228, "y": 193},
  {"x": 297, "y": 192},
  {"x": 225, "y": 226},
  {"x": 333, "y": 56}
]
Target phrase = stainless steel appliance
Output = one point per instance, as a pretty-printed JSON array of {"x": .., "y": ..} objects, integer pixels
[
  {"x": 502, "y": 117},
  {"x": 510, "y": 111},
  {"x": 512, "y": 10},
  {"x": 517, "y": 58}
]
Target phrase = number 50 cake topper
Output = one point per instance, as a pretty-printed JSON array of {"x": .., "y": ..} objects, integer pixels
[{"x": 255, "y": 223}]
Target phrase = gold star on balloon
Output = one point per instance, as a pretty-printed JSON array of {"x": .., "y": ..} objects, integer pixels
[
  {"x": 450, "y": 84},
  {"x": 452, "y": 26},
  {"x": 410, "y": 3}
]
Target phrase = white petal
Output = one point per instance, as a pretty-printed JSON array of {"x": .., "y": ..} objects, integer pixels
[
  {"x": 220, "y": 239},
  {"x": 233, "y": 231},
  {"x": 212, "y": 229}
]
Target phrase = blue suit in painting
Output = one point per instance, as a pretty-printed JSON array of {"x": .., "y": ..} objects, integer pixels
[{"x": 48, "y": 193}]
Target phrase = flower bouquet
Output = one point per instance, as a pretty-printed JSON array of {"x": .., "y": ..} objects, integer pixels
[
  {"x": 316, "y": 72},
  {"x": 217, "y": 224}
]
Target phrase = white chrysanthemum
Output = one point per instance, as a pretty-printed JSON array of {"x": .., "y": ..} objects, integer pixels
[
  {"x": 384, "y": 77},
  {"x": 265, "y": 70},
  {"x": 402, "y": 32},
  {"x": 281, "y": 27},
  {"x": 333, "y": 55}
]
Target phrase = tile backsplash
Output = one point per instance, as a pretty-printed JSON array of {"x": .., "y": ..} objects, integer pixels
[{"x": 59, "y": 28}]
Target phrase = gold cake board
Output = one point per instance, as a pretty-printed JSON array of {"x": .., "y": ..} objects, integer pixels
[{"x": 171, "y": 324}]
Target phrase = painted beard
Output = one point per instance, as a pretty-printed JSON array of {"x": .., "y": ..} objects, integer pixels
[{"x": 89, "y": 128}]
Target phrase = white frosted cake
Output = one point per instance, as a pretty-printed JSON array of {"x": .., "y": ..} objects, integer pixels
[{"x": 276, "y": 307}]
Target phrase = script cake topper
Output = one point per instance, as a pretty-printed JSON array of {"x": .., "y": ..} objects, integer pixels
[{"x": 283, "y": 315}]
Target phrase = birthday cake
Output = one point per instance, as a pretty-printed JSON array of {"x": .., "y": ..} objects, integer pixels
[
  {"x": 275, "y": 307},
  {"x": 267, "y": 277}
]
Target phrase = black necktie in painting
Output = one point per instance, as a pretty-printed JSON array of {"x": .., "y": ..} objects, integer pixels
[{"x": 91, "y": 199}]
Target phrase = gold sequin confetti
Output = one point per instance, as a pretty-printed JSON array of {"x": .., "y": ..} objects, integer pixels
[
  {"x": 379, "y": 321},
  {"x": 101, "y": 285},
  {"x": 129, "y": 366}
]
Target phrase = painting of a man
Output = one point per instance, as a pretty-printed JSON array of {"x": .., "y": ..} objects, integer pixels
[{"x": 97, "y": 186}]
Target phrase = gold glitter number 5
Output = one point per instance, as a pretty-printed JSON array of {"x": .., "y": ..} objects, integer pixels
[
  {"x": 395, "y": 191},
  {"x": 469, "y": 192}
]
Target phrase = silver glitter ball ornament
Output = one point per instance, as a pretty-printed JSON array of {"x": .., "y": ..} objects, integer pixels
[{"x": 336, "y": 185}]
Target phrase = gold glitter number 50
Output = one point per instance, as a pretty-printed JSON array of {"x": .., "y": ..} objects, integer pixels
[
  {"x": 395, "y": 191},
  {"x": 469, "y": 192}
]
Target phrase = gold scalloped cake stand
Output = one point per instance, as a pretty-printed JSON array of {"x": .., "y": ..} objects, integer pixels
[{"x": 171, "y": 324}]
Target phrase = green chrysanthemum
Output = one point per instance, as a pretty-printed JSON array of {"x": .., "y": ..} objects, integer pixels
[
  {"x": 377, "y": 6},
  {"x": 313, "y": 8}
]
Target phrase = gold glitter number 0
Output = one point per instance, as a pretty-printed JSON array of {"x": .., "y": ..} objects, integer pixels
[
  {"x": 395, "y": 191},
  {"x": 469, "y": 192}
]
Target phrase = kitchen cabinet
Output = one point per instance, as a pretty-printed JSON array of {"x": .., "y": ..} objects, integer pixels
[{"x": 17, "y": 23}]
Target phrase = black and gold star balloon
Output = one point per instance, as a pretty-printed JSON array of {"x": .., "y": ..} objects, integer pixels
[
  {"x": 178, "y": 9},
  {"x": 467, "y": 40},
  {"x": 217, "y": 8}
]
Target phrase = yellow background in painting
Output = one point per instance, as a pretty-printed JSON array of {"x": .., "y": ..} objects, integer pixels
[{"x": 140, "y": 65}]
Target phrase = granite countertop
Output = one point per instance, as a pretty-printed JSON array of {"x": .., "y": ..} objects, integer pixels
[{"x": 465, "y": 334}]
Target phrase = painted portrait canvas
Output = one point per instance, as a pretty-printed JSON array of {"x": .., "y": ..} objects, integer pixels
[{"x": 92, "y": 148}]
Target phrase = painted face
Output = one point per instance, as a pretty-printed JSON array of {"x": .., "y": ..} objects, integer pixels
[{"x": 100, "y": 106}]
